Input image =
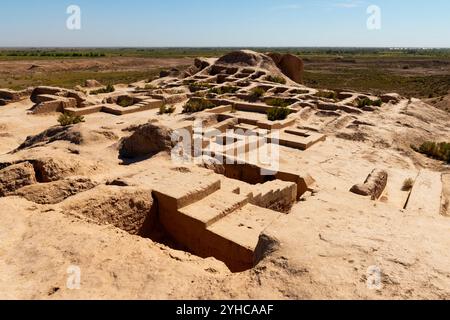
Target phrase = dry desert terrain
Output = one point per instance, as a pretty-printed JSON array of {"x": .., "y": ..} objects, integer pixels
[{"x": 108, "y": 196}]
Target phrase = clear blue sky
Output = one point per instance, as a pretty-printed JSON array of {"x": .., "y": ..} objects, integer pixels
[{"x": 241, "y": 23}]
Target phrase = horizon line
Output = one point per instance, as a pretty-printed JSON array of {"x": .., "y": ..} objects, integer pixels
[{"x": 222, "y": 47}]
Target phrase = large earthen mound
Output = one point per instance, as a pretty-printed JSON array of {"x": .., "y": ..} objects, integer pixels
[
  {"x": 147, "y": 140},
  {"x": 247, "y": 58},
  {"x": 250, "y": 59},
  {"x": 291, "y": 66},
  {"x": 275, "y": 63}
]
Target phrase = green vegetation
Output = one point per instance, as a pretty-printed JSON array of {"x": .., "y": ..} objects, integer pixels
[
  {"x": 340, "y": 53},
  {"x": 257, "y": 93},
  {"x": 377, "y": 103},
  {"x": 193, "y": 106},
  {"x": 276, "y": 102},
  {"x": 108, "y": 89},
  {"x": 438, "y": 151},
  {"x": 408, "y": 184},
  {"x": 278, "y": 113},
  {"x": 125, "y": 102},
  {"x": 368, "y": 102},
  {"x": 377, "y": 70},
  {"x": 299, "y": 91},
  {"x": 327, "y": 95},
  {"x": 67, "y": 119},
  {"x": 276, "y": 79},
  {"x": 38, "y": 53},
  {"x": 164, "y": 109},
  {"x": 379, "y": 81},
  {"x": 70, "y": 79},
  {"x": 223, "y": 90},
  {"x": 149, "y": 87},
  {"x": 199, "y": 86}
]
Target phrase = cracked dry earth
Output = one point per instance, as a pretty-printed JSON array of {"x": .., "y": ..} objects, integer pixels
[{"x": 322, "y": 249}]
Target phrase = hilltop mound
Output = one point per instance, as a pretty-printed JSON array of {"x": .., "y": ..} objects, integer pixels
[
  {"x": 285, "y": 65},
  {"x": 247, "y": 58}
]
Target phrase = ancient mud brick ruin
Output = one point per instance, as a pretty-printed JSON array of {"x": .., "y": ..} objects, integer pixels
[
  {"x": 233, "y": 108},
  {"x": 10, "y": 96}
]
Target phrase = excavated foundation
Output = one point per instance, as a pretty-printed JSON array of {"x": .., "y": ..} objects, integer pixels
[{"x": 212, "y": 222}]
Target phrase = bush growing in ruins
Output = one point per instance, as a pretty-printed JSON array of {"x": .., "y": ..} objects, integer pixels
[
  {"x": 377, "y": 103},
  {"x": 164, "y": 109},
  {"x": 67, "y": 119},
  {"x": 257, "y": 93},
  {"x": 368, "y": 102},
  {"x": 327, "y": 95},
  {"x": 408, "y": 184},
  {"x": 275, "y": 102},
  {"x": 108, "y": 89},
  {"x": 278, "y": 113},
  {"x": 194, "y": 87},
  {"x": 299, "y": 91},
  {"x": 149, "y": 87},
  {"x": 125, "y": 102},
  {"x": 223, "y": 90},
  {"x": 193, "y": 106},
  {"x": 276, "y": 79},
  {"x": 438, "y": 151}
]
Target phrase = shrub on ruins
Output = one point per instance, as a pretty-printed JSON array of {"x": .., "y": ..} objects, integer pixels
[
  {"x": 125, "y": 102},
  {"x": 108, "y": 89},
  {"x": 327, "y": 95},
  {"x": 438, "y": 151},
  {"x": 276, "y": 79},
  {"x": 377, "y": 103},
  {"x": 369, "y": 102},
  {"x": 408, "y": 184},
  {"x": 67, "y": 119},
  {"x": 299, "y": 91},
  {"x": 149, "y": 87},
  {"x": 278, "y": 113},
  {"x": 194, "y": 87},
  {"x": 276, "y": 102},
  {"x": 164, "y": 109},
  {"x": 193, "y": 106},
  {"x": 223, "y": 90},
  {"x": 257, "y": 93}
]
